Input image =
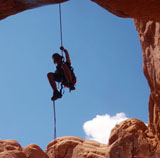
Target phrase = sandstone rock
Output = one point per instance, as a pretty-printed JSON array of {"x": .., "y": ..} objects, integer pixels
[
  {"x": 11, "y": 149},
  {"x": 34, "y": 151},
  {"x": 15, "y": 154},
  {"x": 9, "y": 145},
  {"x": 73, "y": 147},
  {"x": 10, "y": 7},
  {"x": 129, "y": 139},
  {"x": 144, "y": 142},
  {"x": 149, "y": 33},
  {"x": 140, "y": 9}
]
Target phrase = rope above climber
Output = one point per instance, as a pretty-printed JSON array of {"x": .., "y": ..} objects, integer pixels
[{"x": 64, "y": 74}]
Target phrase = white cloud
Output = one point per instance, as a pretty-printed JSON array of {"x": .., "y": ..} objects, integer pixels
[{"x": 99, "y": 128}]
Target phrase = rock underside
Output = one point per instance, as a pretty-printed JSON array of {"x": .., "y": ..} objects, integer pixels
[
  {"x": 131, "y": 138},
  {"x": 139, "y": 9},
  {"x": 11, "y": 7}
]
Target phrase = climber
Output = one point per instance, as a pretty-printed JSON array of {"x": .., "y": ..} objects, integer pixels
[{"x": 64, "y": 74}]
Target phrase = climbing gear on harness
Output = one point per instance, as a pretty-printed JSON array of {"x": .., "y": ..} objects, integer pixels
[{"x": 64, "y": 82}]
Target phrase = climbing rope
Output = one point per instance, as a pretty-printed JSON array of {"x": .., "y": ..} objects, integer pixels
[
  {"x": 54, "y": 111},
  {"x": 61, "y": 37},
  {"x": 60, "y": 22}
]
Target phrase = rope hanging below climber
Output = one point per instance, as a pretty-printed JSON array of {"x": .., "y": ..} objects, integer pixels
[{"x": 54, "y": 110}]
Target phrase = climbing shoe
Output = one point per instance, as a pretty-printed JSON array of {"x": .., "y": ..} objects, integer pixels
[
  {"x": 71, "y": 86},
  {"x": 56, "y": 95}
]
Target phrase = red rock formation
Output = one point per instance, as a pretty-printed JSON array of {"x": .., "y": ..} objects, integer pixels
[
  {"x": 73, "y": 147},
  {"x": 65, "y": 147},
  {"x": 10, "y": 7},
  {"x": 34, "y": 151},
  {"x": 146, "y": 17},
  {"x": 140, "y": 9},
  {"x": 130, "y": 139},
  {"x": 149, "y": 33},
  {"x": 11, "y": 149}
]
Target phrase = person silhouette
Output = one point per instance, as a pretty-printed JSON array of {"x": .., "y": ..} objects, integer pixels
[{"x": 63, "y": 74}]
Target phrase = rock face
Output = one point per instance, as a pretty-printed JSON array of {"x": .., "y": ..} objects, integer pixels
[
  {"x": 73, "y": 147},
  {"x": 131, "y": 139},
  {"x": 10, "y": 7},
  {"x": 143, "y": 142},
  {"x": 12, "y": 149},
  {"x": 140, "y": 9},
  {"x": 65, "y": 147},
  {"x": 149, "y": 33},
  {"x": 34, "y": 151}
]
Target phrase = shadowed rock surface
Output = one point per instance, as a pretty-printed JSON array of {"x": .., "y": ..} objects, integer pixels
[
  {"x": 141, "y": 9},
  {"x": 11, "y": 7}
]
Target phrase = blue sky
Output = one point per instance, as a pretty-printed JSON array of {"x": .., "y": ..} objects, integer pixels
[{"x": 107, "y": 58}]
